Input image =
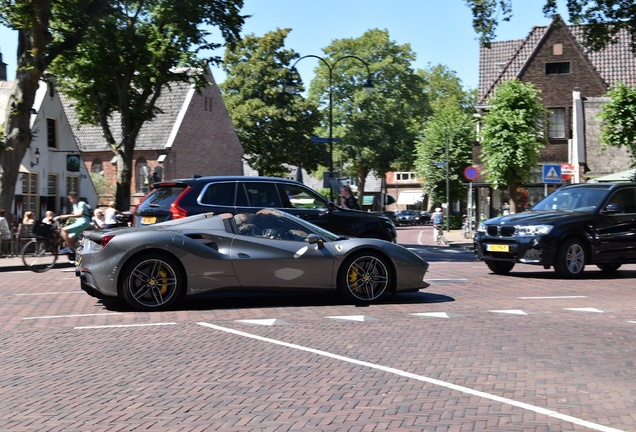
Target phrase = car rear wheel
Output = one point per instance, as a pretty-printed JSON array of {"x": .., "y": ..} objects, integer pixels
[
  {"x": 152, "y": 283},
  {"x": 365, "y": 277},
  {"x": 570, "y": 260},
  {"x": 500, "y": 267}
]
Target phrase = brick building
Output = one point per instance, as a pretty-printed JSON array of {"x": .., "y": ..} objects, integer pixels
[
  {"x": 193, "y": 135},
  {"x": 573, "y": 81}
]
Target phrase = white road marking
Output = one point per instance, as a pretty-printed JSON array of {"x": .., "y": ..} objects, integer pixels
[
  {"x": 124, "y": 325},
  {"x": 510, "y": 311},
  {"x": 446, "y": 280},
  {"x": 585, "y": 310},
  {"x": 70, "y": 316},
  {"x": 409, "y": 375},
  {"x": 359, "y": 318},
  {"x": 432, "y": 314},
  {"x": 551, "y": 297},
  {"x": 264, "y": 322},
  {"x": 51, "y": 293}
]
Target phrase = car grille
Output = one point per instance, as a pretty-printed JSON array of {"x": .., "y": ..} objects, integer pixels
[{"x": 500, "y": 230}]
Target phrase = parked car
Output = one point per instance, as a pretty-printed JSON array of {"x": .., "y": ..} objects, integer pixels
[
  {"x": 176, "y": 199},
  {"x": 577, "y": 225},
  {"x": 425, "y": 217},
  {"x": 152, "y": 267}
]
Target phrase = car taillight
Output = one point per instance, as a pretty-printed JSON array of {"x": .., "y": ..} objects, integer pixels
[
  {"x": 177, "y": 212},
  {"x": 106, "y": 239}
]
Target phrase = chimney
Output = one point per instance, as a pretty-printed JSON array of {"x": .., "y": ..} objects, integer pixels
[{"x": 3, "y": 69}]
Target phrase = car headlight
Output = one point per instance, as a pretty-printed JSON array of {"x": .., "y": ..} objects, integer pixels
[
  {"x": 481, "y": 228},
  {"x": 534, "y": 229}
]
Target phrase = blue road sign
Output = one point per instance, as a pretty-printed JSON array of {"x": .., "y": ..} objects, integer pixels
[
  {"x": 551, "y": 173},
  {"x": 323, "y": 140}
]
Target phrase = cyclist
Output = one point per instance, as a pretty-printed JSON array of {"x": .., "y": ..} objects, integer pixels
[
  {"x": 438, "y": 221},
  {"x": 82, "y": 215}
]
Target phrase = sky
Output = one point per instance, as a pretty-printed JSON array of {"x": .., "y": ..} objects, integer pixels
[{"x": 438, "y": 31}]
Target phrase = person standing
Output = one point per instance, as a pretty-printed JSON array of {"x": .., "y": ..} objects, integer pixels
[
  {"x": 110, "y": 216},
  {"x": 82, "y": 215},
  {"x": 348, "y": 200},
  {"x": 5, "y": 235}
]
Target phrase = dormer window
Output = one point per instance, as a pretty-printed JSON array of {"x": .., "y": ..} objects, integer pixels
[{"x": 558, "y": 68}]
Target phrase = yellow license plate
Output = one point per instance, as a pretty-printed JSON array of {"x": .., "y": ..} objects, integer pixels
[
  {"x": 148, "y": 220},
  {"x": 497, "y": 248},
  {"x": 78, "y": 261}
]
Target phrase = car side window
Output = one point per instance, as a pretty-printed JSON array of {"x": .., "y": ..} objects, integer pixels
[
  {"x": 262, "y": 195},
  {"x": 269, "y": 226},
  {"x": 221, "y": 194},
  {"x": 624, "y": 200},
  {"x": 300, "y": 197}
]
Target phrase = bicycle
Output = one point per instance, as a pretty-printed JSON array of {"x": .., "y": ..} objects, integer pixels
[{"x": 40, "y": 254}]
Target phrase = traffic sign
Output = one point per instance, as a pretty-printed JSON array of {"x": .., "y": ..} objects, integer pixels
[
  {"x": 471, "y": 173},
  {"x": 551, "y": 173},
  {"x": 323, "y": 140}
]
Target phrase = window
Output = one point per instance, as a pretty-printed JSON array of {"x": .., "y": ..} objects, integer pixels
[
  {"x": 559, "y": 68},
  {"x": 97, "y": 167},
  {"x": 142, "y": 181},
  {"x": 72, "y": 184},
  {"x": 405, "y": 176},
  {"x": 51, "y": 132},
  {"x": 221, "y": 194},
  {"x": 556, "y": 123},
  {"x": 30, "y": 191}
]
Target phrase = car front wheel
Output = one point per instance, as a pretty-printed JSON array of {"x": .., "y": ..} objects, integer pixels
[
  {"x": 570, "y": 260},
  {"x": 364, "y": 277},
  {"x": 152, "y": 283}
]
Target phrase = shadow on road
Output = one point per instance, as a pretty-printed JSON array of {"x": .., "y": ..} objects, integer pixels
[{"x": 261, "y": 300}]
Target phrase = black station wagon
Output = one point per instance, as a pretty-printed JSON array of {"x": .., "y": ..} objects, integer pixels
[
  {"x": 241, "y": 194},
  {"x": 576, "y": 225}
]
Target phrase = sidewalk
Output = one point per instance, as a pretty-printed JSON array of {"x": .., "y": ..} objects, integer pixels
[{"x": 14, "y": 263}]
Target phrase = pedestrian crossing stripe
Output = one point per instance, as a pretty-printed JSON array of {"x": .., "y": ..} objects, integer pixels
[{"x": 552, "y": 175}]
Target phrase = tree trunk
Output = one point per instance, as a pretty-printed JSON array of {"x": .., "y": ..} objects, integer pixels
[{"x": 362, "y": 176}]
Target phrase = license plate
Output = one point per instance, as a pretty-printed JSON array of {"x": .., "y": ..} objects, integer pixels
[
  {"x": 497, "y": 248},
  {"x": 78, "y": 260},
  {"x": 148, "y": 220}
]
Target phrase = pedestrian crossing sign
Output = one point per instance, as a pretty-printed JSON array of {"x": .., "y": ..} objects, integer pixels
[{"x": 551, "y": 173}]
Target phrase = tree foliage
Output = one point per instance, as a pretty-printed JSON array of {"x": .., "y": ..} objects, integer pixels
[
  {"x": 134, "y": 52},
  {"x": 511, "y": 137},
  {"x": 377, "y": 131},
  {"x": 604, "y": 18},
  {"x": 45, "y": 30},
  {"x": 618, "y": 118},
  {"x": 274, "y": 126}
]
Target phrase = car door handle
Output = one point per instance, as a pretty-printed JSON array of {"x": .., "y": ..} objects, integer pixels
[{"x": 243, "y": 255}]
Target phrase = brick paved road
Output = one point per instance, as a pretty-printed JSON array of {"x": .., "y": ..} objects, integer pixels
[{"x": 474, "y": 352}]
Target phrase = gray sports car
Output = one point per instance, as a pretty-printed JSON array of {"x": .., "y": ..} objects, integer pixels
[{"x": 152, "y": 267}]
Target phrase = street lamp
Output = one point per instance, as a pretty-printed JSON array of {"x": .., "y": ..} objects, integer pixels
[{"x": 290, "y": 87}]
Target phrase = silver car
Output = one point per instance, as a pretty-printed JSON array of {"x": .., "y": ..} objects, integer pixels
[{"x": 152, "y": 267}]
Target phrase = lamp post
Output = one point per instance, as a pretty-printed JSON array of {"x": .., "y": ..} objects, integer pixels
[{"x": 290, "y": 87}]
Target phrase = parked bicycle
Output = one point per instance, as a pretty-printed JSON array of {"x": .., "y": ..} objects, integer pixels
[{"x": 40, "y": 254}]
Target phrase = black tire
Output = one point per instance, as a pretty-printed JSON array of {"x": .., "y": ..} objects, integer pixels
[
  {"x": 152, "y": 282},
  {"x": 570, "y": 259},
  {"x": 608, "y": 268},
  {"x": 39, "y": 255},
  {"x": 500, "y": 267},
  {"x": 365, "y": 277}
]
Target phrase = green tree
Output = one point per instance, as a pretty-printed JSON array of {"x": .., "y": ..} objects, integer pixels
[
  {"x": 605, "y": 18},
  {"x": 443, "y": 87},
  {"x": 274, "y": 126},
  {"x": 449, "y": 127},
  {"x": 377, "y": 131},
  {"x": 618, "y": 127},
  {"x": 45, "y": 30},
  {"x": 130, "y": 56},
  {"x": 512, "y": 136}
]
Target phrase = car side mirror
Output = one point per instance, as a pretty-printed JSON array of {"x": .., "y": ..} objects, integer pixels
[
  {"x": 613, "y": 208},
  {"x": 314, "y": 239},
  {"x": 331, "y": 206}
]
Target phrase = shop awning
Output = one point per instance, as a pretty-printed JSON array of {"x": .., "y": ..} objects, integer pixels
[{"x": 410, "y": 197}]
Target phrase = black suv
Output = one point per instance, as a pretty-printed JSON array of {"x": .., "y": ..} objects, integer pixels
[
  {"x": 588, "y": 223},
  {"x": 237, "y": 194}
]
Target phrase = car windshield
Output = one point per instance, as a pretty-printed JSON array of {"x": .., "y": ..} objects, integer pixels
[{"x": 573, "y": 199}]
